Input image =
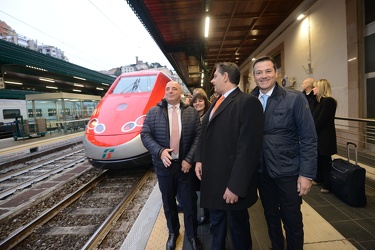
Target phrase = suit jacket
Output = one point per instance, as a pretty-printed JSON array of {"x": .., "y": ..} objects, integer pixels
[
  {"x": 229, "y": 149},
  {"x": 155, "y": 134},
  {"x": 324, "y": 118},
  {"x": 290, "y": 141}
]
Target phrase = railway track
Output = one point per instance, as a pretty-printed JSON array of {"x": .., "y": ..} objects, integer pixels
[
  {"x": 84, "y": 218},
  {"x": 17, "y": 179}
]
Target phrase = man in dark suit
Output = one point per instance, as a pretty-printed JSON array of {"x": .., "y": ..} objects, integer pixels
[
  {"x": 226, "y": 158},
  {"x": 288, "y": 162},
  {"x": 173, "y": 160}
]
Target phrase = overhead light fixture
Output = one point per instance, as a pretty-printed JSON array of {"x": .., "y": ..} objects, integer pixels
[
  {"x": 300, "y": 17},
  {"x": 207, "y": 26},
  {"x": 51, "y": 87},
  {"x": 106, "y": 84},
  {"x": 77, "y": 90},
  {"x": 32, "y": 67},
  {"x": 16, "y": 83},
  {"x": 79, "y": 85},
  {"x": 80, "y": 78},
  {"x": 46, "y": 79},
  {"x": 99, "y": 88}
]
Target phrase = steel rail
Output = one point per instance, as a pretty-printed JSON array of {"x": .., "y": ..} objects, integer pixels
[
  {"x": 22, "y": 233},
  {"x": 108, "y": 224},
  {"x": 39, "y": 178}
]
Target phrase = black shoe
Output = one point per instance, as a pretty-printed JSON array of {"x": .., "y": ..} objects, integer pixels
[
  {"x": 203, "y": 220},
  {"x": 171, "y": 242},
  {"x": 195, "y": 243}
]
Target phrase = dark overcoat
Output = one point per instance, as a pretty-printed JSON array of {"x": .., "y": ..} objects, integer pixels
[
  {"x": 324, "y": 118},
  {"x": 229, "y": 149}
]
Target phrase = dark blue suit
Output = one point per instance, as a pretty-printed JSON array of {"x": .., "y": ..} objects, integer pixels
[
  {"x": 289, "y": 151},
  {"x": 155, "y": 137}
]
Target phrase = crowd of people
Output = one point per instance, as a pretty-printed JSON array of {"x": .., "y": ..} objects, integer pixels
[{"x": 275, "y": 141}]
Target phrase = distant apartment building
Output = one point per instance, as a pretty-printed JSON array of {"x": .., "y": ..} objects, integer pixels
[
  {"x": 8, "y": 34},
  {"x": 128, "y": 68},
  {"x": 52, "y": 51}
]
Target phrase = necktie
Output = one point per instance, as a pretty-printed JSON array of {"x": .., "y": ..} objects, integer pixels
[
  {"x": 264, "y": 101},
  {"x": 175, "y": 135},
  {"x": 217, "y": 104}
]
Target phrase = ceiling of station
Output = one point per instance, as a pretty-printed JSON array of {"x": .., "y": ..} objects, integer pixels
[{"x": 237, "y": 29}]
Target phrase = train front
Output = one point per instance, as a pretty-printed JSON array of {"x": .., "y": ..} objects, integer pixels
[{"x": 112, "y": 138}]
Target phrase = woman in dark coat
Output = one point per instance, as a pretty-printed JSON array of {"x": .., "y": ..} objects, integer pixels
[{"x": 324, "y": 118}]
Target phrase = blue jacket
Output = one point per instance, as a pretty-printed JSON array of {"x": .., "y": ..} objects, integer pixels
[
  {"x": 156, "y": 137},
  {"x": 290, "y": 140}
]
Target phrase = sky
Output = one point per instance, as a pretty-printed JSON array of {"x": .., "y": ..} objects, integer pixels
[{"x": 95, "y": 34}]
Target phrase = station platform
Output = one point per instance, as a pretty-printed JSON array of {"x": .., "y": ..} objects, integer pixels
[
  {"x": 11, "y": 149},
  {"x": 328, "y": 223}
]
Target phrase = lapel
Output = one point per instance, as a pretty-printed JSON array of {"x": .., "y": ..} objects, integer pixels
[{"x": 224, "y": 104}]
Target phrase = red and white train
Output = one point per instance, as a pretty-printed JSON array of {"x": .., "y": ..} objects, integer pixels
[{"x": 112, "y": 137}]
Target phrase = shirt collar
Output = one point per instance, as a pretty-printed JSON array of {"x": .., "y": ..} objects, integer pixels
[
  {"x": 228, "y": 92},
  {"x": 171, "y": 106},
  {"x": 269, "y": 93}
]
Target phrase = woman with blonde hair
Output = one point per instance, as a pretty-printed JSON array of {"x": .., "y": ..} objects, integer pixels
[{"x": 324, "y": 118}]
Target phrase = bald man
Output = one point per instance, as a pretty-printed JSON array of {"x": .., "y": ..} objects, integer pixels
[
  {"x": 172, "y": 161},
  {"x": 307, "y": 86}
]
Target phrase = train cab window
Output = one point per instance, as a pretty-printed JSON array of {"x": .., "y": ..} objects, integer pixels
[
  {"x": 136, "y": 84},
  {"x": 11, "y": 113}
]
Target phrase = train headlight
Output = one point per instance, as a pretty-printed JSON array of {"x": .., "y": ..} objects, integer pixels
[
  {"x": 140, "y": 120},
  {"x": 93, "y": 123},
  {"x": 99, "y": 128},
  {"x": 129, "y": 126}
]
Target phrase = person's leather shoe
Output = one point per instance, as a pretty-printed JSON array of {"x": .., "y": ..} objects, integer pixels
[
  {"x": 171, "y": 242},
  {"x": 203, "y": 220},
  {"x": 195, "y": 243}
]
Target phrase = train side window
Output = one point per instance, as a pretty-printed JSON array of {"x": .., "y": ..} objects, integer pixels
[
  {"x": 52, "y": 112},
  {"x": 11, "y": 113},
  {"x": 38, "y": 113}
]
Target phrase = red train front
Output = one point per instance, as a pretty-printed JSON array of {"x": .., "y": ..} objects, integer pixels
[{"x": 112, "y": 137}]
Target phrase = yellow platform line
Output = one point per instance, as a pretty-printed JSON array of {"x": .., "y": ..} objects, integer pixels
[{"x": 159, "y": 235}]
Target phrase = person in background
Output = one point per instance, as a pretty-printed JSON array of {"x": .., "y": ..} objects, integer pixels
[
  {"x": 324, "y": 118},
  {"x": 173, "y": 158},
  {"x": 187, "y": 99},
  {"x": 307, "y": 87},
  {"x": 213, "y": 97},
  {"x": 201, "y": 104},
  {"x": 199, "y": 90},
  {"x": 288, "y": 161},
  {"x": 226, "y": 158}
]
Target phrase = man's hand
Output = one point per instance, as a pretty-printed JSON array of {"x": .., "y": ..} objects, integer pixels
[
  {"x": 303, "y": 185},
  {"x": 198, "y": 170},
  {"x": 166, "y": 157},
  {"x": 230, "y": 197}
]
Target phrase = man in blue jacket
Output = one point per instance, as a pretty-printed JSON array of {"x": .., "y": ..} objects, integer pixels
[
  {"x": 173, "y": 162},
  {"x": 289, "y": 158}
]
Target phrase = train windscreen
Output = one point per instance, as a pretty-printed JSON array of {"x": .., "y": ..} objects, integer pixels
[{"x": 134, "y": 84}]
